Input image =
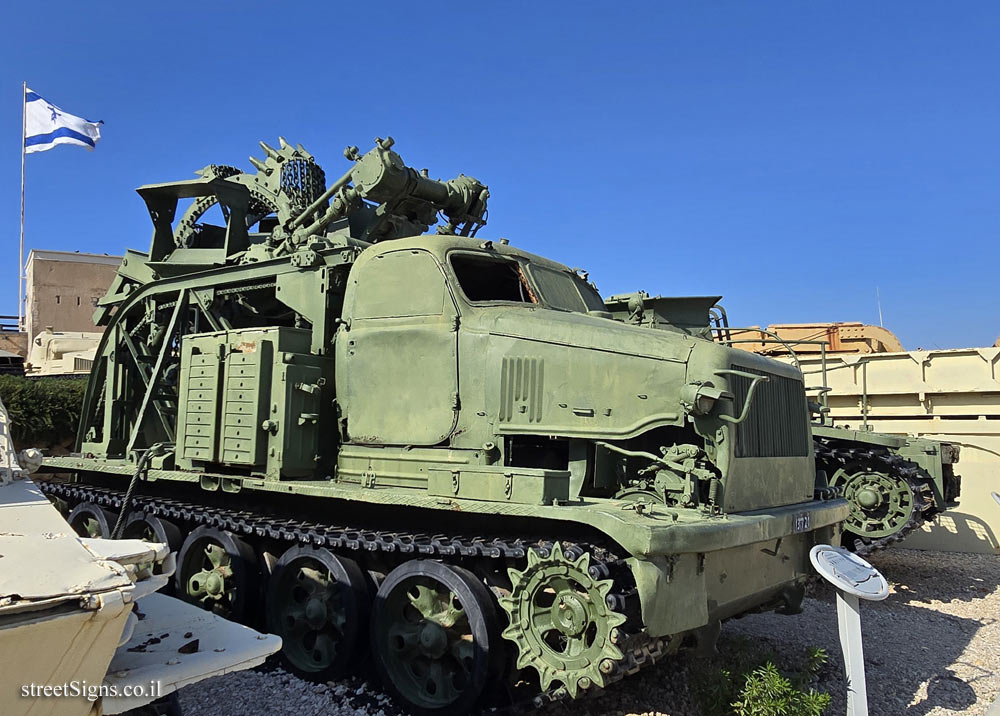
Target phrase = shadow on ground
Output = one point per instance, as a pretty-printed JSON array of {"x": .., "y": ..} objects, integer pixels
[{"x": 914, "y": 644}]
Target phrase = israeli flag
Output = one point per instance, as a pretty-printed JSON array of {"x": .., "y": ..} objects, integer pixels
[{"x": 45, "y": 126}]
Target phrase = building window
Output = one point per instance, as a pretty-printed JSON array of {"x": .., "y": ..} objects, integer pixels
[
  {"x": 77, "y": 300},
  {"x": 57, "y": 299}
]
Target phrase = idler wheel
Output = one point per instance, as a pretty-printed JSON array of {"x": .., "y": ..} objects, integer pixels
[
  {"x": 90, "y": 520},
  {"x": 435, "y": 637},
  {"x": 217, "y": 571},
  {"x": 318, "y": 603}
]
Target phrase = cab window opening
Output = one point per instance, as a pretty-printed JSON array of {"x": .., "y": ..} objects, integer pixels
[{"x": 484, "y": 278}]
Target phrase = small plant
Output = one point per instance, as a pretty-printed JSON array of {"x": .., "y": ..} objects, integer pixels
[
  {"x": 768, "y": 692},
  {"x": 752, "y": 685},
  {"x": 815, "y": 658}
]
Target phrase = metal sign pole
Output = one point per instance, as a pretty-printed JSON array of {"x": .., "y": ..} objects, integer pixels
[
  {"x": 853, "y": 577},
  {"x": 20, "y": 260},
  {"x": 849, "y": 624}
]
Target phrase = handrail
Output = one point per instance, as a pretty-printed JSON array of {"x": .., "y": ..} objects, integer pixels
[{"x": 755, "y": 380}]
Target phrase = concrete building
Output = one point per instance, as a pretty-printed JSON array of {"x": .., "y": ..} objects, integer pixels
[{"x": 63, "y": 288}]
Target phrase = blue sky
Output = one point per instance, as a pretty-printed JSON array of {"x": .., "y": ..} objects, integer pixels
[{"x": 791, "y": 156}]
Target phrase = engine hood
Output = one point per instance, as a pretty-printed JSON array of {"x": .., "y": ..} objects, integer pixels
[
  {"x": 555, "y": 373},
  {"x": 587, "y": 332}
]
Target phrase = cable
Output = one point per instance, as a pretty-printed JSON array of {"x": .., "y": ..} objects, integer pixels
[{"x": 140, "y": 471}]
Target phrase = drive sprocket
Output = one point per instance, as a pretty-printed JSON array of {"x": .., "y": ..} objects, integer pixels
[{"x": 560, "y": 619}]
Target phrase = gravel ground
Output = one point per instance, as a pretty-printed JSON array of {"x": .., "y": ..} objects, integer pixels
[{"x": 932, "y": 648}]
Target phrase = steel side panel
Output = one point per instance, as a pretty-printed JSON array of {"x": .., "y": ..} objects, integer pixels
[
  {"x": 200, "y": 378},
  {"x": 299, "y": 434},
  {"x": 689, "y": 590},
  {"x": 398, "y": 380},
  {"x": 756, "y": 481},
  {"x": 881, "y": 439},
  {"x": 963, "y": 370},
  {"x": 535, "y": 384},
  {"x": 55, "y": 649},
  {"x": 246, "y": 389}
]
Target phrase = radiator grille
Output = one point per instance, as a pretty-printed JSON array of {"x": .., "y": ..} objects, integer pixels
[{"x": 777, "y": 425}]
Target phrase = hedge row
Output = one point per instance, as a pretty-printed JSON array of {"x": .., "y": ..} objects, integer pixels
[{"x": 43, "y": 412}]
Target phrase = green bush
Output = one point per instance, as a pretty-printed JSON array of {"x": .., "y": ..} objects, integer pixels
[
  {"x": 43, "y": 412},
  {"x": 750, "y": 684},
  {"x": 768, "y": 692}
]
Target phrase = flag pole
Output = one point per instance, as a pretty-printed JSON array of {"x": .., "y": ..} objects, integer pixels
[{"x": 20, "y": 261}]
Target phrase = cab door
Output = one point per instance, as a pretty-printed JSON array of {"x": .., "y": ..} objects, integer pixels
[{"x": 397, "y": 357}]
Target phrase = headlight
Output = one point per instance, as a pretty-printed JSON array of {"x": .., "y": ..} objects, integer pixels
[{"x": 699, "y": 397}]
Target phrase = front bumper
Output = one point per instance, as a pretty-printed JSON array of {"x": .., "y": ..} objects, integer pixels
[{"x": 710, "y": 570}]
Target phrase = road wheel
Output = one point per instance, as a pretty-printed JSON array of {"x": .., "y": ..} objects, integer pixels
[
  {"x": 90, "y": 520},
  {"x": 152, "y": 529},
  {"x": 149, "y": 528},
  {"x": 217, "y": 571},
  {"x": 435, "y": 637},
  {"x": 318, "y": 603}
]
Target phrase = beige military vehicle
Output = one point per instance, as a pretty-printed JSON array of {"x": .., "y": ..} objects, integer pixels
[
  {"x": 83, "y": 631},
  {"x": 780, "y": 339},
  {"x": 61, "y": 353}
]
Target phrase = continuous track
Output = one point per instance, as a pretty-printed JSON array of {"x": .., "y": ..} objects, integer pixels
[
  {"x": 638, "y": 649},
  {"x": 833, "y": 455}
]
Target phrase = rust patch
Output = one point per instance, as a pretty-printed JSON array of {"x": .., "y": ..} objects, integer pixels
[{"x": 525, "y": 284}]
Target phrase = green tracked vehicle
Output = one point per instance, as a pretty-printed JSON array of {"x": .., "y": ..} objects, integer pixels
[
  {"x": 894, "y": 483},
  {"x": 438, "y": 450}
]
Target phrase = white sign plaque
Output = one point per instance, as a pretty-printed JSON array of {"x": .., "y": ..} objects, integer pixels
[{"x": 853, "y": 577}]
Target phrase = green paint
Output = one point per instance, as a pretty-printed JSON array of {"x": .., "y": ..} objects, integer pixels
[
  {"x": 560, "y": 621},
  {"x": 317, "y": 345},
  {"x": 429, "y": 643}
]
